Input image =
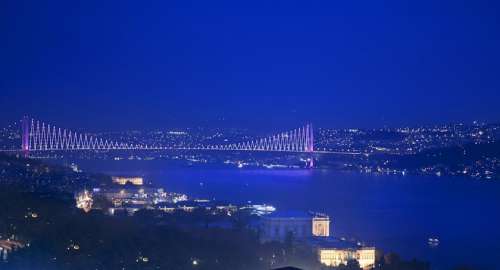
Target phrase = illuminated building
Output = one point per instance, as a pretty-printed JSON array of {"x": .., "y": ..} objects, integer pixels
[
  {"x": 132, "y": 199},
  {"x": 321, "y": 226},
  {"x": 176, "y": 197},
  {"x": 302, "y": 225},
  {"x": 259, "y": 209},
  {"x": 138, "y": 181},
  {"x": 75, "y": 168},
  {"x": 84, "y": 201},
  {"x": 314, "y": 228},
  {"x": 333, "y": 257}
]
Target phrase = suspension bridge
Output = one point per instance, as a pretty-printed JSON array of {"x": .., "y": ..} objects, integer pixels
[{"x": 39, "y": 136}]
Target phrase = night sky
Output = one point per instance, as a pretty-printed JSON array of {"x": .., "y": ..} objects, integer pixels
[{"x": 109, "y": 65}]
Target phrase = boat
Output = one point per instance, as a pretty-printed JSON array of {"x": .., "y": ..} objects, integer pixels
[{"x": 433, "y": 242}]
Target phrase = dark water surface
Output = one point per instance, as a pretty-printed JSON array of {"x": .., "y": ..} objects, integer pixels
[{"x": 395, "y": 213}]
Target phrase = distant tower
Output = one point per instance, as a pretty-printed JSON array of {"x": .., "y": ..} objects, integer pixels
[{"x": 25, "y": 124}]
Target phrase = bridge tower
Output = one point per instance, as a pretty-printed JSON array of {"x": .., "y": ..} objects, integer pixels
[
  {"x": 310, "y": 146},
  {"x": 25, "y": 125}
]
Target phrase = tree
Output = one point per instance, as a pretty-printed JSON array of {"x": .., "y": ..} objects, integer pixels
[{"x": 351, "y": 265}]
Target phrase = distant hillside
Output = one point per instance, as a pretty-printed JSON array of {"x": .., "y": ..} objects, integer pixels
[
  {"x": 472, "y": 159},
  {"x": 453, "y": 155},
  {"x": 33, "y": 175}
]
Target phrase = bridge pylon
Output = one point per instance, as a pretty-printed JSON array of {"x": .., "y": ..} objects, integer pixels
[
  {"x": 310, "y": 146},
  {"x": 25, "y": 125}
]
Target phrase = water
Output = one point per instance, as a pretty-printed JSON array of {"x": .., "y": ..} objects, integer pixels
[{"x": 395, "y": 213}]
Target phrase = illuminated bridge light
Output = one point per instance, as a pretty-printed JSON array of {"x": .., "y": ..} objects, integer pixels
[{"x": 38, "y": 136}]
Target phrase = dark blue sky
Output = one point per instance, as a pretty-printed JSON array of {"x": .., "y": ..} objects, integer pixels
[{"x": 131, "y": 64}]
